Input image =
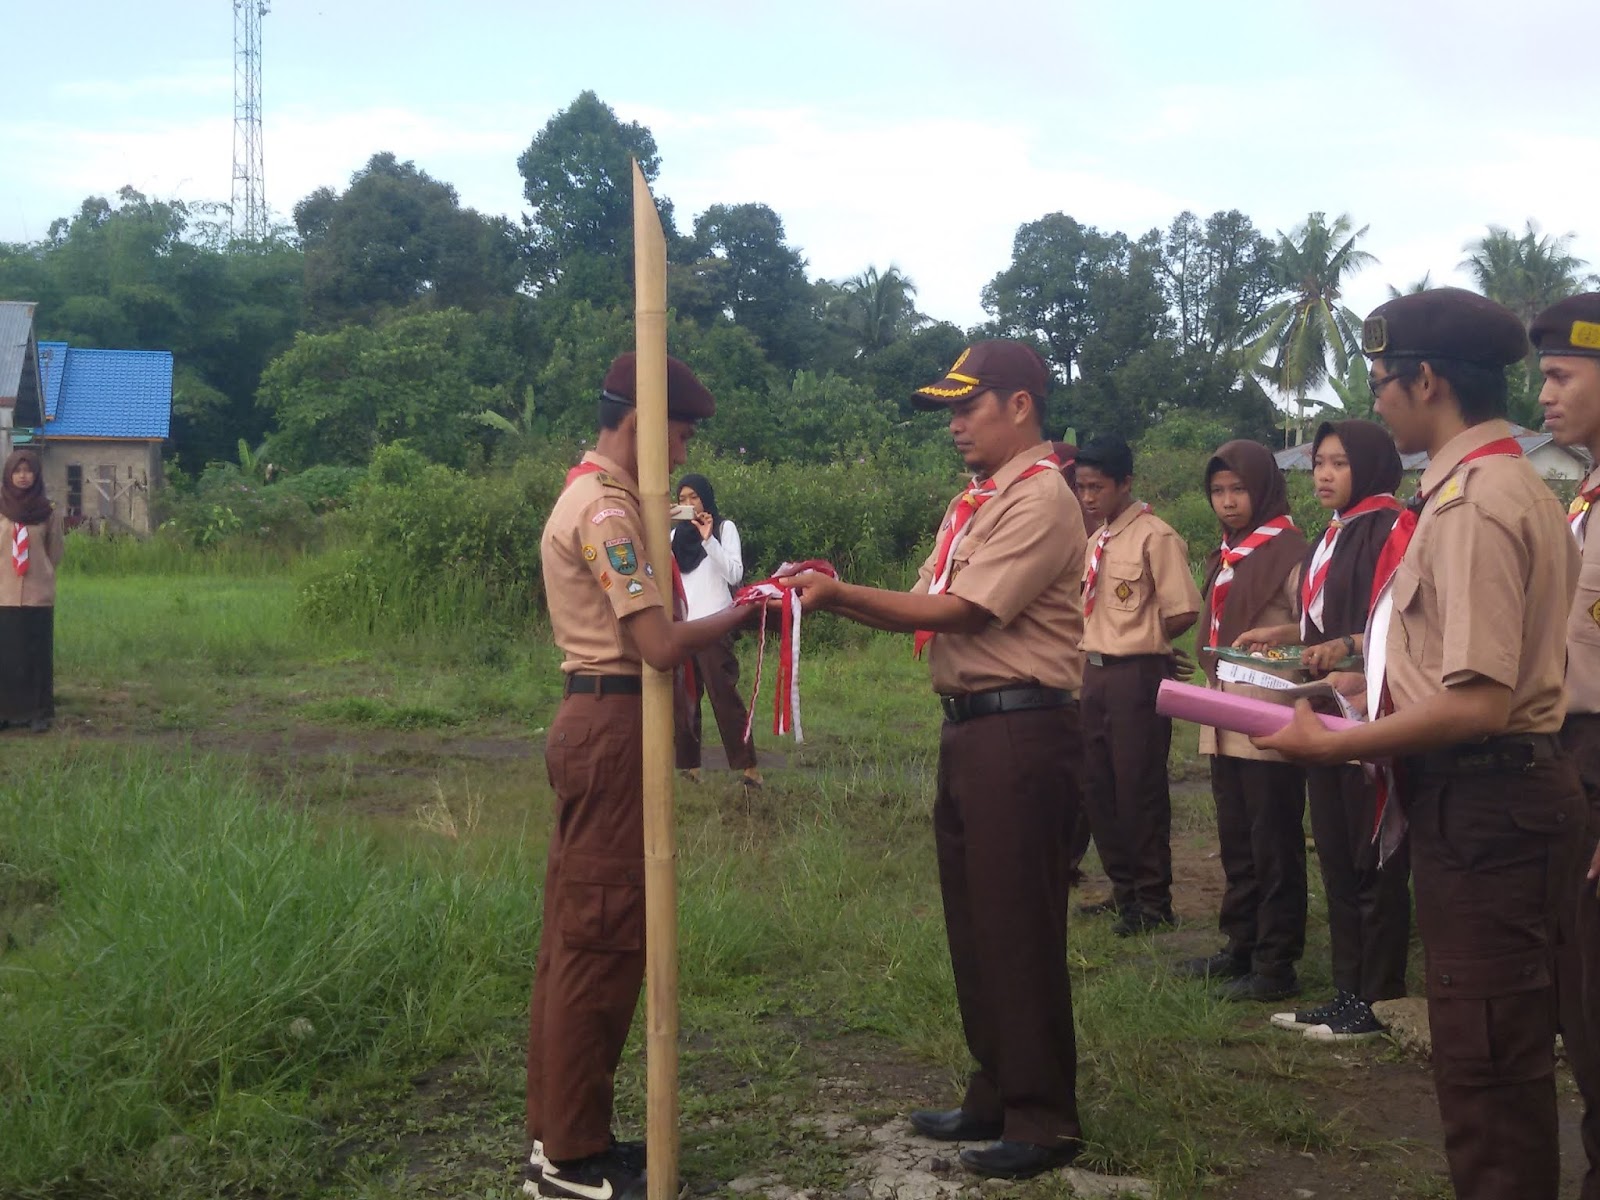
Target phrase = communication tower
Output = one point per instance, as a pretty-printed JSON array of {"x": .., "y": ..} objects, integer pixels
[{"x": 249, "y": 220}]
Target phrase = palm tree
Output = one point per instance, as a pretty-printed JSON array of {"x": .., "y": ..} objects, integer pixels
[
  {"x": 1419, "y": 286},
  {"x": 1292, "y": 342},
  {"x": 878, "y": 309}
]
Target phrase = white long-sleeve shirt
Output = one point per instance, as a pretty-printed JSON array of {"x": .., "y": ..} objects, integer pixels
[{"x": 707, "y": 587}]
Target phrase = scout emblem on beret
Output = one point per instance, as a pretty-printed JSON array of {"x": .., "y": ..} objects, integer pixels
[
  {"x": 620, "y": 553},
  {"x": 1585, "y": 334},
  {"x": 1374, "y": 335},
  {"x": 1123, "y": 590},
  {"x": 590, "y": 553}
]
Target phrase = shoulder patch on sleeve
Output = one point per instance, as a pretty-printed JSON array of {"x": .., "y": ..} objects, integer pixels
[{"x": 1454, "y": 489}]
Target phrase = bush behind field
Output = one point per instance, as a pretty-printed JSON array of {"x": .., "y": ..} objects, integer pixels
[{"x": 436, "y": 545}]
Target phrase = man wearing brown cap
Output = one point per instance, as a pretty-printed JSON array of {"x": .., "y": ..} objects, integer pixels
[
  {"x": 1465, "y": 691},
  {"x": 997, "y": 606},
  {"x": 607, "y": 613},
  {"x": 1567, "y": 337}
]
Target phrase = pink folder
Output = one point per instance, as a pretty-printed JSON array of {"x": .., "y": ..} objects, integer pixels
[{"x": 1224, "y": 710}]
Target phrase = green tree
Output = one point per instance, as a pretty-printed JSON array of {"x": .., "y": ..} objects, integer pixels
[
  {"x": 397, "y": 237},
  {"x": 1218, "y": 279},
  {"x": 1414, "y": 288},
  {"x": 875, "y": 309},
  {"x": 1043, "y": 295},
  {"x": 1295, "y": 339}
]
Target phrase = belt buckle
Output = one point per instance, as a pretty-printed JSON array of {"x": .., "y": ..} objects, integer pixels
[{"x": 1096, "y": 659}]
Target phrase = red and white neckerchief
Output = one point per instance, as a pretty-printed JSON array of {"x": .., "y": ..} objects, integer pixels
[
  {"x": 1578, "y": 514},
  {"x": 1388, "y": 822},
  {"x": 1311, "y": 584},
  {"x": 1232, "y": 556},
  {"x": 1092, "y": 576},
  {"x": 19, "y": 548},
  {"x": 786, "y": 696},
  {"x": 979, "y": 493},
  {"x": 680, "y": 598}
]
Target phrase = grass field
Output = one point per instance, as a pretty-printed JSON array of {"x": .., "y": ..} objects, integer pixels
[{"x": 269, "y": 903}]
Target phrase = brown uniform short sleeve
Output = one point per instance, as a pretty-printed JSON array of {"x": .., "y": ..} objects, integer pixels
[
  {"x": 1479, "y": 569},
  {"x": 1022, "y": 556},
  {"x": 1167, "y": 559},
  {"x": 613, "y": 546}
]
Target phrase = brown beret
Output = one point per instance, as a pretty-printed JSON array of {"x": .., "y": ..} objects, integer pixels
[
  {"x": 1445, "y": 323},
  {"x": 1000, "y": 365},
  {"x": 1570, "y": 326},
  {"x": 687, "y": 398}
]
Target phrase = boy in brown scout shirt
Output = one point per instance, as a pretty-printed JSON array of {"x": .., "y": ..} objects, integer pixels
[
  {"x": 999, "y": 600},
  {"x": 606, "y": 613},
  {"x": 1138, "y": 595},
  {"x": 1465, "y": 690},
  {"x": 1567, "y": 337}
]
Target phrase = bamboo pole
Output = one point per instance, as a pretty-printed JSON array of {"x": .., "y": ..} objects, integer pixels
[{"x": 660, "y": 845}]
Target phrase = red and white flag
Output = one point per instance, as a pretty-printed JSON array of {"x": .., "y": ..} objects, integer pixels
[{"x": 786, "y": 697}]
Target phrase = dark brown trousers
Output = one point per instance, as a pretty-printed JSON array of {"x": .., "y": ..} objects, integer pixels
[
  {"x": 716, "y": 673},
  {"x": 1260, "y": 828},
  {"x": 591, "y": 946},
  {"x": 1125, "y": 748},
  {"x": 1492, "y": 857},
  {"x": 1007, "y": 801},
  {"x": 1578, "y": 960},
  {"x": 27, "y": 661},
  {"x": 1369, "y": 910}
]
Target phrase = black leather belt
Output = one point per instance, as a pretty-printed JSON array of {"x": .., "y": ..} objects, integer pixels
[
  {"x": 1508, "y": 754},
  {"x": 1096, "y": 659},
  {"x": 968, "y": 705},
  {"x": 605, "y": 685}
]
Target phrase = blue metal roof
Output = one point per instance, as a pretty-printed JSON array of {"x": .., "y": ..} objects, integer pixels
[{"x": 106, "y": 393}]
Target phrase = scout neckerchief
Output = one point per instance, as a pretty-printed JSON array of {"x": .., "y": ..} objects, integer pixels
[
  {"x": 1578, "y": 514},
  {"x": 979, "y": 493},
  {"x": 19, "y": 548},
  {"x": 1389, "y": 823},
  {"x": 1311, "y": 585},
  {"x": 680, "y": 598},
  {"x": 1231, "y": 557},
  {"x": 786, "y": 696},
  {"x": 1092, "y": 575}
]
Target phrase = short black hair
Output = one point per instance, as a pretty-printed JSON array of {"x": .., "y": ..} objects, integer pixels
[
  {"x": 612, "y": 409},
  {"x": 1481, "y": 391},
  {"x": 1108, "y": 454}
]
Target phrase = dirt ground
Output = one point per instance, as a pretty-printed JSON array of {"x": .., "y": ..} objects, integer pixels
[{"x": 1385, "y": 1099}]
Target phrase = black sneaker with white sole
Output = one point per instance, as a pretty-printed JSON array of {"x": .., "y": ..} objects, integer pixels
[
  {"x": 1304, "y": 1018},
  {"x": 533, "y": 1169},
  {"x": 613, "y": 1174},
  {"x": 1357, "y": 1023}
]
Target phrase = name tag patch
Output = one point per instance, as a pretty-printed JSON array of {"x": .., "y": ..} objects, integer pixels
[{"x": 606, "y": 514}]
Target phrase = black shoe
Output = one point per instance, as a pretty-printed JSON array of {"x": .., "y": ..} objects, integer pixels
[
  {"x": 630, "y": 1153},
  {"x": 1100, "y": 908},
  {"x": 1259, "y": 987},
  {"x": 1304, "y": 1018},
  {"x": 604, "y": 1176},
  {"x": 954, "y": 1125},
  {"x": 1220, "y": 965},
  {"x": 1355, "y": 1023},
  {"x": 1137, "y": 920},
  {"x": 1018, "y": 1160}
]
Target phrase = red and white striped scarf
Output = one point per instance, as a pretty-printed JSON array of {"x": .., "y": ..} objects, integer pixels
[
  {"x": 19, "y": 548},
  {"x": 1091, "y": 577},
  {"x": 979, "y": 493},
  {"x": 1232, "y": 556},
  {"x": 786, "y": 696},
  {"x": 1578, "y": 514},
  {"x": 1311, "y": 586}
]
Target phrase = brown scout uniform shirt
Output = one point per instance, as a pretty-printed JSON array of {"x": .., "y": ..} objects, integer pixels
[
  {"x": 1583, "y": 625},
  {"x": 46, "y": 544},
  {"x": 1143, "y": 581},
  {"x": 595, "y": 573},
  {"x": 1485, "y": 584},
  {"x": 1021, "y": 560},
  {"x": 1284, "y": 609}
]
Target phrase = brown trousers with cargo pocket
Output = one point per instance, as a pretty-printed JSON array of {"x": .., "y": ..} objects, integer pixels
[
  {"x": 591, "y": 946},
  {"x": 1578, "y": 959},
  {"x": 1492, "y": 859}
]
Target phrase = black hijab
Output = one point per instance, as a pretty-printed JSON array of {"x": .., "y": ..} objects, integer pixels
[
  {"x": 30, "y": 507},
  {"x": 688, "y": 547},
  {"x": 1374, "y": 470}
]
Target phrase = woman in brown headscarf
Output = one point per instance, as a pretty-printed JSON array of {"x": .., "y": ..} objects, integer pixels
[
  {"x": 1251, "y": 580},
  {"x": 1355, "y": 469},
  {"x": 31, "y": 544}
]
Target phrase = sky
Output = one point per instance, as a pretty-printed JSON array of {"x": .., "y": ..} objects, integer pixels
[{"x": 881, "y": 131}]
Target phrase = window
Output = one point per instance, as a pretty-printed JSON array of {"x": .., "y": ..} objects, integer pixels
[
  {"x": 106, "y": 484},
  {"x": 74, "y": 490}
]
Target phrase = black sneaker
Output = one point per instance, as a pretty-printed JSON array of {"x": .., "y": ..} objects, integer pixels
[
  {"x": 1304, "y": 1018},
  {"x": 1259, "y": 987},
  {"x": 1356, "y": 1023},
  {"x": 610, "y": 1175},
  {"x": 533, "y": 1169},
  {"x": 1220, "y": 965}
]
